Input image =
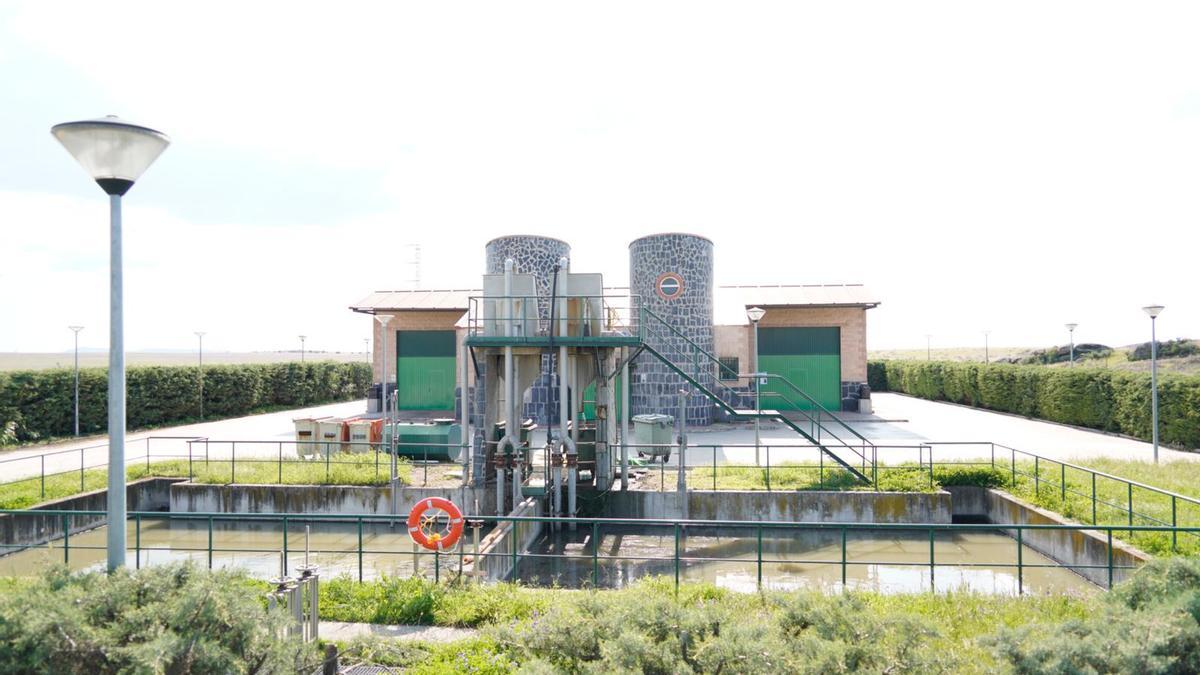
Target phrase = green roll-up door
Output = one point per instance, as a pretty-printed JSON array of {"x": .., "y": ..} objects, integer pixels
[
  {"x": 811, "y": 358},
  {"x": 425, "y": 368}
]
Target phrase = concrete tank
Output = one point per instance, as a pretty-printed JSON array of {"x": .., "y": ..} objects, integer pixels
[
  {"x": 538, "y": 256},
  {"x": 672, "y": 275}
]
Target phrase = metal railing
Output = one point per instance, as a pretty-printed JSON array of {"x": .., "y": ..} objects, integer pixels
[
  {"x": 529, "y": 319},
  {"x": 359, "y": 534}
]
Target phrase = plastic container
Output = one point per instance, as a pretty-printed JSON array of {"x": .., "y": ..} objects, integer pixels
[
  {"x": 363, "y": 433},
  {"x": 307, "y": 435},
  {"x": 654, "y": 430},
  {"x": 331, "y": 432}
]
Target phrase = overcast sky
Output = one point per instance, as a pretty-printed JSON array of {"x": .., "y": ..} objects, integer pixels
[{"x": 1004, "y": 166}]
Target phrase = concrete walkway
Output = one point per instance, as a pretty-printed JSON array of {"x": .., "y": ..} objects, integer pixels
[
  {"x": 338, "y": 630},
  {"x": 172, "y": 442}
]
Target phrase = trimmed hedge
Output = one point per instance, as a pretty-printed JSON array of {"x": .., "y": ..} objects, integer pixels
[
  {"x": 39, "y": 404},
  {"x": 1088, "y": 397}
]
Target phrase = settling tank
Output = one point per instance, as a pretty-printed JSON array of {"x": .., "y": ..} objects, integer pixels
[{"x": 672, "y": 275}]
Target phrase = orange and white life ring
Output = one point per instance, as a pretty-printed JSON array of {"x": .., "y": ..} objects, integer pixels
[{"x": 435, "y": 523}]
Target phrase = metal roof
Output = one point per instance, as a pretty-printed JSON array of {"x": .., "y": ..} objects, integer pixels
[
  {"x": 731, "y": 302},
  {"x": 431, "y": 300}
]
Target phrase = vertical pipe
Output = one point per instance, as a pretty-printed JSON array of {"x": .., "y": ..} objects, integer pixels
[
  {"x": 116, "y": 394},
  {"x": 625, "y": 413}
]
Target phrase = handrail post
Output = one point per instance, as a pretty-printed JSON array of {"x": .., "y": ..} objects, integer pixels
[
  {"x": 759, "y": 557},
  {"x": 1020, "y": 561},
  {"x": 843, "y": 557},
  {"x": 1110, "y": 559},
  {"x": 190, "y": 476},
  {"x": 932, "y": 584},
  {"x": 676, "y": 558},
  {"x": 81, "y": 470},
  {"x": 1130, "y": 503},
  {"x": 232, "y": 462},
  {"x": 281, "y": 462},
  {"x": 714, "y": 458},
  {"x": 285, "y": 545},
  {"x": 210, "y": 543},
  {"x": 360, "y": 550},
  {"x": 1093, "y": 497},
  {"x": 66, "y": 525},
  {"x": 1037, "y": 473},
  {"x": 43, "y": 457},
  {"x": 993, "y": 444},
  {"x": 1062, "y": 479},
  {"x": 137, "y": 541},
  {"x": 595, "y": 555},
  {"x": 768, "y": 468}
]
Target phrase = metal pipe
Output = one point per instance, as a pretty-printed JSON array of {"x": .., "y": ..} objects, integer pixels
[
  {"x": 510, "y": 383},
  {"x": 116, "y": 393},
  {"x": 625, "y": 413}
]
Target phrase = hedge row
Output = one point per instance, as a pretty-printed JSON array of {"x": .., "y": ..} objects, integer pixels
[
  {"x": 1089, "y": 397},
  {"x": 39, "y": 404}
]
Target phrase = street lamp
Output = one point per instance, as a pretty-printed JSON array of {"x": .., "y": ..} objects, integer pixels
[
  {"x": 200, "y": 334},
  {"x": 302, "y": 339},
  {"x": 755, "y": 314},
  {"x": 76, "y": 330},
  {"x": 367, "y": 348},
  {"x": 1153, "y": 311},
  {"x": 383, "y": 320},
  {"x": 115, "y": 153},
  {"x": 928, "y": 347},
  {"x": 1071, "y": 329},
  {"x": 986, "y": 357}
]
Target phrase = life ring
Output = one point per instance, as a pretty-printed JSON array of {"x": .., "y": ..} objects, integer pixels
[{"x": 424, "y": 529}]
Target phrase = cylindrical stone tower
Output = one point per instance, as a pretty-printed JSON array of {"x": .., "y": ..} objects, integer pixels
[
  {"x": 672, "y": 275},
  {"x": 538, "y": 256}
]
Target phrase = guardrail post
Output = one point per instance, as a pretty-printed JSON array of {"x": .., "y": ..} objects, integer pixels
[
  {"x": 1174, "y": 524},
  {"x": 714, "y": 456},
  {"x": 1130, "y": 503},
  {"x": 66, "y": 525},
  {"x": 360, "y": 551},
  {"x": 81, "y": 470},
  {"x": 595, "y": 555},
  {"x": 189, "y": 444},
  {"x": 232, "y": 462},
  {"x": 43, "y": 458},
  {"x": 210, "y": 546},
  {"x": 759, "y": 557},
  {"x": 1063, "y": 480},
  {"x": 676, "y": 558},
  {"x": 821, "y": 469},
  {"x": 843, "y": 557},
  {"x": 932, "y": 585},
  {"x": 1020, "y": 562},
  {"x": 281, "y": 461},
  {"x": 768, "y": 468},
  {"x": 1093, "y": 497},
  {"x": 1013, "y": 465},
  {"x": 1110, "y": 559},
  {"x": 327, "y": 453},
  {"x": 285, "y": 545},
  {"x": 137, "y": 542},
  {"x": 993, "y": 444},
  {"x": 1037, "y": 475}
]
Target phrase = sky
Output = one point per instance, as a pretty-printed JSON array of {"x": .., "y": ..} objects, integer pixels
[{"x": 980, "y": 166}]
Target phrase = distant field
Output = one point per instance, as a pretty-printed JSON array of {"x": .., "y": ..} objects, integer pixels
[
  {"x": 948, "y": 354},
  {"x": 42, "y": 361}
]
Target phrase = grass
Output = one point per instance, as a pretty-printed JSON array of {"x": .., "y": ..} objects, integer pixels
[
  {"x": 895, "y": 478},
  {"x": 353, "y": 469},
  {"x": 521, "y": 624}
]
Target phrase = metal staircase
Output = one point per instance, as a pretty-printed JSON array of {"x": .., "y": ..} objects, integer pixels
[{"x": 857, "y": 456}]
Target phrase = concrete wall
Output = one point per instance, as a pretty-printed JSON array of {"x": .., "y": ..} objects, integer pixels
[
  {"x": 805, "y": 506},
  {"x": 332, "y": 499},
  {"x": 147, "y": 494},
  {"x": 1074, "y": 549},
  {"x": 495, "y": 560}
]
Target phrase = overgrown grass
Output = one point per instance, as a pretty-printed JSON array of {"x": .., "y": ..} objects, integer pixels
[
  {"x": 895, "y": 478},
  {"x": 347, "y": 469},
  {"x": 1113, "y": 497}
]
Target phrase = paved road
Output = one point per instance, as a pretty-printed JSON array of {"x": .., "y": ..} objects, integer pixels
[{"x": 172, "y": 442}]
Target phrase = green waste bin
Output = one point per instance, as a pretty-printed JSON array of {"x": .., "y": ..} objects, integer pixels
[{"x": 654, "y": 430}]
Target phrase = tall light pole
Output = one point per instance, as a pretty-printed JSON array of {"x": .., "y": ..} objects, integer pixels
[
  {"x": 76, "y": 330},
  {"x": 115, "y": 153},
  {"x": 200, "y": 335},
  {"x": 302, "y": 339},
  {"x": 986, "y": 357},
  {"x": 755, "y": 314},
  {"x": 1071, "y": 329},
  {"x": 367, "y": 348},
  {"x": 1153, "y": 311},
  {"x": 383, "y": 320},
  {"x": 928, "y": 347}
]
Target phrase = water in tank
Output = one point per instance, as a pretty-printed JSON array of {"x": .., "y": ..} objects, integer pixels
[{"x": 672, "y": 275}]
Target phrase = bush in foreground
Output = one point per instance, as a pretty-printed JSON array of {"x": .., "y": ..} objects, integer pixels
[{"x": 169, "y": 619}]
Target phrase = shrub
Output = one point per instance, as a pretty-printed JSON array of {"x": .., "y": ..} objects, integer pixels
[
  {"x": 1166, "y": 350},
  {"x": 1088, "y": 397},
  {"x": 37, "y": 405},
  {"x": 168, "y": 619}
]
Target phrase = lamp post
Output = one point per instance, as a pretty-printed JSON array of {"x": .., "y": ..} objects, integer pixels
[
  {"x": 115, "y": 153},
  {"x": 200, "y": 335},
  {"x": 986, "y": 357},
  {"x": 928, "y": 347},
  {"x": 367, "y": 348},
  {"x": 383, "y": 320},
  {"x": 76, "y": 330},
  {"x": 1071, "y": 329},
  {"x": 302, "y": 339},
  {"x": 1153, "y": 311},
  {"x": 755, "y": 314}
]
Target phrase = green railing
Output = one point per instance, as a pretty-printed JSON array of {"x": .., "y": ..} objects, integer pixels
[{"x": 358, "y": 534}]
